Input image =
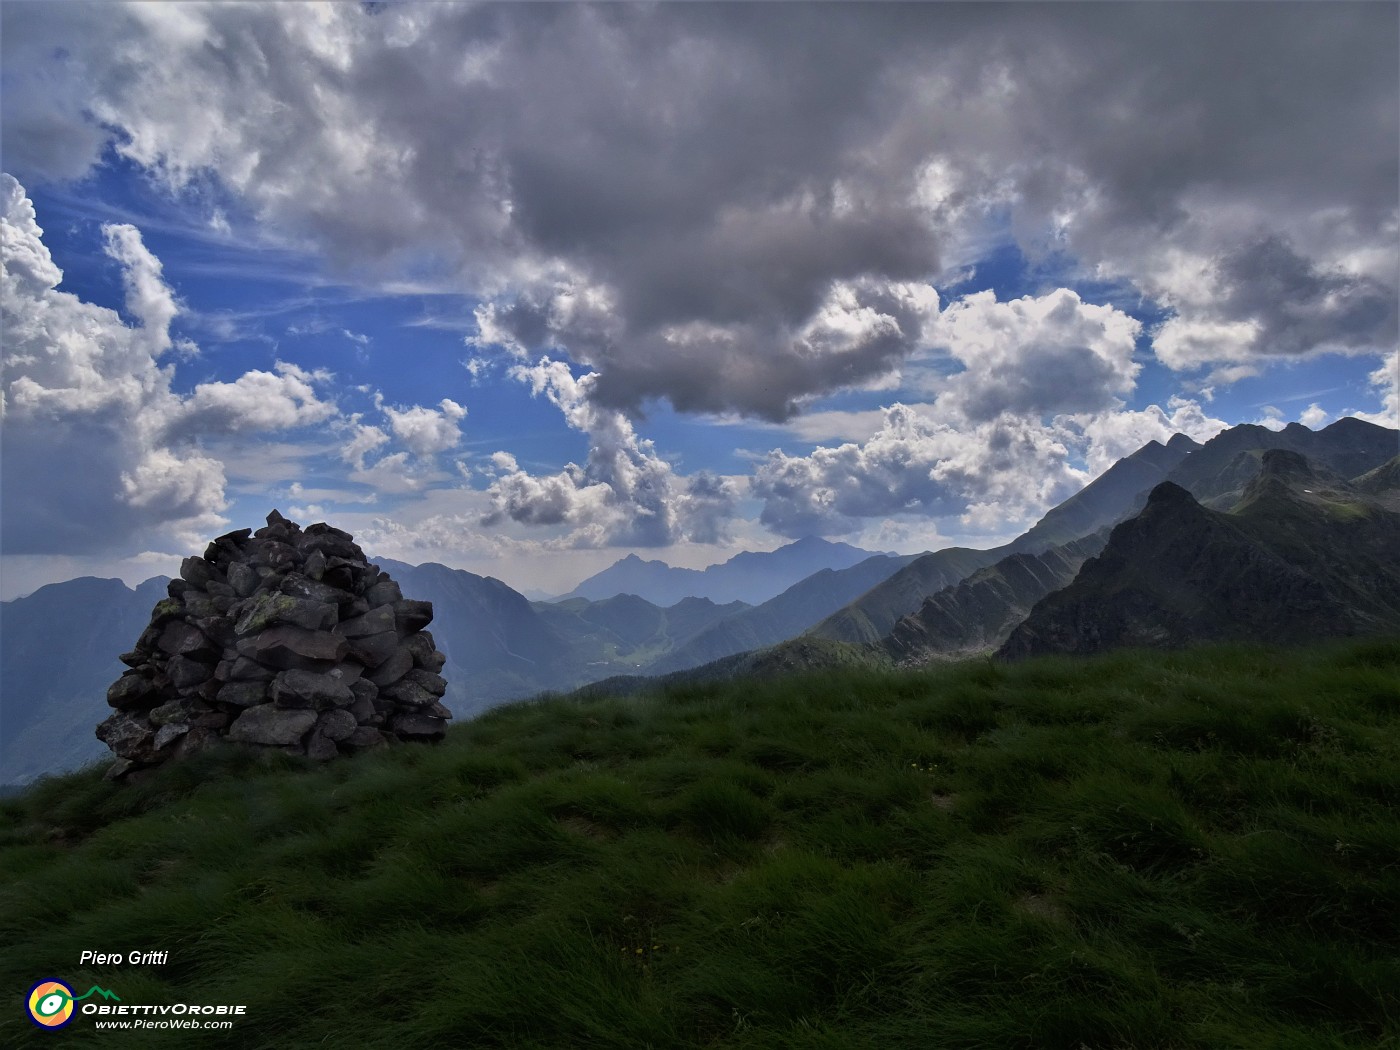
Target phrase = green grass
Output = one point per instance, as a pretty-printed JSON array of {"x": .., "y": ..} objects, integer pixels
[{"x": 1193, "y": 850}]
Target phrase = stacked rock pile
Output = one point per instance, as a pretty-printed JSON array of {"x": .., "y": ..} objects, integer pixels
[{"x": 282, "y": 638}]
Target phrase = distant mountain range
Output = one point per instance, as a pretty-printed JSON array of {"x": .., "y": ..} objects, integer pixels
[
  {"x": 750, "y": 577},
  {"x": 1270, "y": 516},
  {"x": 58, "y": 654},
  {"x": 1215, "y": 471}
]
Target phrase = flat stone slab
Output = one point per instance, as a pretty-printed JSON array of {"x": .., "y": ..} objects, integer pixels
[
  {"x": 272, "y": 725},
  {"x": 285, "y": 647},
  {"x": 308, "y": 689}
]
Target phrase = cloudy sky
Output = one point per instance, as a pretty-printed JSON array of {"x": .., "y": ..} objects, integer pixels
[{"x": 523, "y": 288}]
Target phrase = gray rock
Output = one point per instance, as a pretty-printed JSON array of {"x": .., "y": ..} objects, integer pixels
[
  {"x": 366, "y": 738},
  {"x": 385, "y": 592},
  {"x": 272, "y": 725},
  {"x": 363, "y": 690},
  {"x": 409, "y": 693},
  {"x": 299, "y": 585},
  {"x": 437, "y": 710},
  {"x": 165, "y": 610},
  {"x": 285, "y": 647},
  {"x": 167, "y": 734},
  {"x": 131, "y": 690},
  {"x": 129, "y": 736},
  {"x": 358, "y": 607},
  {"x": 215, "y": 589},
  {"x": 432, "y": 682},
  {"x": 315, "y": 565},
  {"x": 198, "y": 572},
  {"x": 373, "y": 649},
  {"x": 198, "y": 605},
  {"x": 196, "y": 740},
  {"x": 218, "y": 629},
  {"x": 424, "y": 650},
  {"x": 168, "y": 713},
  {"x": 376, "y": 621},
  {"x": 242, "y": 578},
  {"x": 268, "y": 608},
  {"x": 183, "y": 639},
  {"x": 362, "y": 709},
  {"x": 118, "y": 769},
  {"x": 392, "y": 669},
  {"x": 243, "y": 694},
  {"x": 410, "y": 615},
  {"x": 244, "y": 669},
  {"x": 336, "y": 724},
  {"x": 411, "y": 724},
  {"x": 185, "y": 673},
  {"x": 306, "y": 689},
  {"x": 320, "y": 748},
  {"x": 347, "y": 672}
]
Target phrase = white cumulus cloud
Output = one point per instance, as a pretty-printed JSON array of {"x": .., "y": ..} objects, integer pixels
[
  {"x": 624, "y": 492},
  {"x": 426, "y": 431}
]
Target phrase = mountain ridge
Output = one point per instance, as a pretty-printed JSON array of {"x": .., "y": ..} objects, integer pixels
[
  {"x": 1304, "y": 555},
  {"x": 752, "y": 577}
]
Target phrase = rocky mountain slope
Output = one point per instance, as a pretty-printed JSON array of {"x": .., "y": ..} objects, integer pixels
[
  {"x": 1109, "y": 497},
  {"x": 1303, "y": 555},
  {"x": 978, "y": 614}
]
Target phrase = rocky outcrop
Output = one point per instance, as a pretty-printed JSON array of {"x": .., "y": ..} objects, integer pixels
[
  {"x": 977, "y": 615},
  {"x": 1304, "y": 555},
  {"x": 281, "y": 638}
]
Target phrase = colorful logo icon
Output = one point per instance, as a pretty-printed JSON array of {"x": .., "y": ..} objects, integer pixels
[{"x": 51, "y": 1004}]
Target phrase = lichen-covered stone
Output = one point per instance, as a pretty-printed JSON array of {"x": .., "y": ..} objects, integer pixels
[
  {"x": 376, "y": 621},
  {"x": 131, "y": 690},
  {"x": 264, "y": 610}
]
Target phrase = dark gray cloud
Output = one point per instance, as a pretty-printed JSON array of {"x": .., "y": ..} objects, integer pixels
[
  {"x": 673, "y": 193},
  {"x": 1300, "y": 305}
]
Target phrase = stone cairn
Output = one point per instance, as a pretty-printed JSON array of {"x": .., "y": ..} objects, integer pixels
[{"x": 281, "y": 638}]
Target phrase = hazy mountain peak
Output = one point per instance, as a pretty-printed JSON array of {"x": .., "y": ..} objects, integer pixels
[{"x": 749, "y": 576}]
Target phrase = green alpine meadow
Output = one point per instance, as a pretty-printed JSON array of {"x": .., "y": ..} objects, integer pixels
[{"x": 1191, "y": 849}]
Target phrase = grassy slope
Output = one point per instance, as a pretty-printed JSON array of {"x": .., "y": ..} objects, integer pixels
[{"x": 1193, "y": 849}]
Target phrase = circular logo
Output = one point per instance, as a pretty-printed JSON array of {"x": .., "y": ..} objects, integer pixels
[{"x": 51, "y": 1004}]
